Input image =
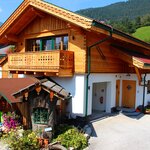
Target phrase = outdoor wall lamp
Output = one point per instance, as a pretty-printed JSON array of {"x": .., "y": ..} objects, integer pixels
[
  {"x": 51, "y": 94},
  {"x": 38, "y": 89},
  {"x": 26, "y": 94}
]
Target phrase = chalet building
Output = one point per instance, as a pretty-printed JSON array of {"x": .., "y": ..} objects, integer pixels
[{"x": 100, "y": 66}]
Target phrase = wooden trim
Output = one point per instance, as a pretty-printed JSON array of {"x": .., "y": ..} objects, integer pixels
[
  {"x": 46, "y": 34},
  {"x": 12, "y": 38},
  {"x": 138, "y": 63},
  {"x": 14, "y": 16},
  {"x": 62, "y": 13},
  {"x": 121, "y": 55},
  {"x": 47, "y": 8}
]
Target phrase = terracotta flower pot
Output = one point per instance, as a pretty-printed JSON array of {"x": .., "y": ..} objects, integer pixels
[
  {"x": 40, "y": 140},
  {"x": 46, "y": 141}
]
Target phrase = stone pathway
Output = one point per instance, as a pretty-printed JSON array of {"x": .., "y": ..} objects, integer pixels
[{"x": 121, "y": 133}]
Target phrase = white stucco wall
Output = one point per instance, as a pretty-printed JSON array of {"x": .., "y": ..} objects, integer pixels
[
  {"x": 76, "y": 86},
  {"x": 110, "y": 79}
]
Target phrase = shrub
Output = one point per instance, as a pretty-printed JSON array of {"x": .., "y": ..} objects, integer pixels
[
  {"x": 71, "y": 137},
  {"x": 21, "y": 140}
]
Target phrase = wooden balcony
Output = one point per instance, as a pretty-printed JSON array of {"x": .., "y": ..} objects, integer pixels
[{"x": 50, "y": 63}]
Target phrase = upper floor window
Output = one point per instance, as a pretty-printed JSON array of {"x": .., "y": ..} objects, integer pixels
[{"x": 47, "y": 43}]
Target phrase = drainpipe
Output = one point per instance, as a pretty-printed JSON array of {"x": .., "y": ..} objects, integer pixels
[
  {"x": 144, "y": 93},
  {"x": 89, "y": 66}
]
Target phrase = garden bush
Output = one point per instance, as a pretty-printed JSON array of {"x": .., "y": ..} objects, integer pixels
[
  {"x": 70, "y": 136},
  {"x": 21, "y": 140}
]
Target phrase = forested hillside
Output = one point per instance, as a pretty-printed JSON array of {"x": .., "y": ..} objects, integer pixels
[
  {"x": 118, "y": 11},
  {"x": 125, "y": 16}
]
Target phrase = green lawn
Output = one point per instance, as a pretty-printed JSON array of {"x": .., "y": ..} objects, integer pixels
[{"x": 143, "y": 33}]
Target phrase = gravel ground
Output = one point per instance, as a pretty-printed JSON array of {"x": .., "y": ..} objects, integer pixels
[{"x": 121, "y": 133}]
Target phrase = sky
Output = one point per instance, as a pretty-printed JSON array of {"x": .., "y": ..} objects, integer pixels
[{"x": 8, "y": 6}]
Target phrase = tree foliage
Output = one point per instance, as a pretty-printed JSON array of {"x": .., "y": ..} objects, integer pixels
[{"x": 130, "y": 9}]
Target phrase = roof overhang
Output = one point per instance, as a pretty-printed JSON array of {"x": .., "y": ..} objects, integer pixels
[
  {"x": 139, "y": 61},
  {"x": 10, "y": 85},
  {"x": 48, "y": 85},
  {"x": 101, "y": 27},
  {"x": 142, "y": 63},
  {"x": 13, "y": 89}
]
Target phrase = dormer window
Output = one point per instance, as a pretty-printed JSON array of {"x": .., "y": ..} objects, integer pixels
[{"x": 47, "y": 43}]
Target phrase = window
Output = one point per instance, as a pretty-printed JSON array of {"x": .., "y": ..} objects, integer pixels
[
  {"x": 40, "y": 115},
  {"x": 47, "y": 43},
  {"x": 33, "y": 45},
  {"x": 65, "y": 42},
  {"x": 58, "y": 41}
]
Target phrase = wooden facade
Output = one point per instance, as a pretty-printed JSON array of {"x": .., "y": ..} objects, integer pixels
[{"x": 36, "y": 19}]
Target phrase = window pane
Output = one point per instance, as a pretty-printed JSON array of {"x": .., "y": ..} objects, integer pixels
[
  {"x": 58, "y": 43},
  {"x": 47, "y": 44},
  {"x": 36, "y": 45},
  {"x": 33, "y": 45},
  {"x": 65, "y": 43},
  {"x": 40, "y": 115}
]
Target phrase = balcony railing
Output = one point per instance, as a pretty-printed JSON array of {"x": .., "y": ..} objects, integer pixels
[{"x": 58, "y": 62}]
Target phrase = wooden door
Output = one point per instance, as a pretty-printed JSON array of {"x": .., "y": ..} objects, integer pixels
[
  {"x": 128, "y": 93},
  {"x": 117, "y": 92}
]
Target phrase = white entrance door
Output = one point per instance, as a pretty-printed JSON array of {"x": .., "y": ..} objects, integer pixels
[{"x": 99, "y": 96}]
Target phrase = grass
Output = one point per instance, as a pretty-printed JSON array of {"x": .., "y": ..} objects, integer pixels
[{"x": 143, "y": 33}]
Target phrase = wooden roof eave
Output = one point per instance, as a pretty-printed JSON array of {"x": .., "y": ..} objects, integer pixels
[
  {"x": 116, "y": 34},
  {"x": 13, "y": 17},
  {"x": 49, "y": 9},
  {"x": 138, "y": 65},
  {"x": 63, "y": 14}
]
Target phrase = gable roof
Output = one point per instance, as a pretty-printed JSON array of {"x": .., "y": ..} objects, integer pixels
[
  {"x": 30, "y": 9},
  {"x": 26, "y": 10},
  {"x": 10, "y": 85},
  {"x": 12, "y": 88}
]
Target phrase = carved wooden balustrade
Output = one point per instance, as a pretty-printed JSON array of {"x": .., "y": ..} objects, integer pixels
[{"x": 52, "y": 62}]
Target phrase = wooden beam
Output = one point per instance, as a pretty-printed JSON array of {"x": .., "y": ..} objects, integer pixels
[
  {"x": 138, "y": 73},
  {"x": 121, "y": 55},
  {"x": 39, "y": 13},
  {"x": 12, "y": 37}
]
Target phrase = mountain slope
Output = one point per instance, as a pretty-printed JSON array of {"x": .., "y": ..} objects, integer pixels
[
  {"x": 118, "y": 11},
  {"x": 143, "y": 33}
]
